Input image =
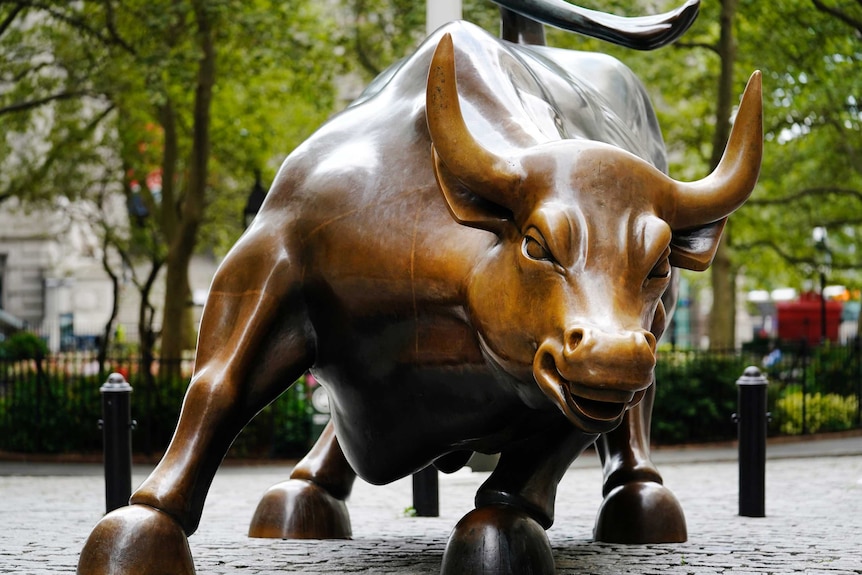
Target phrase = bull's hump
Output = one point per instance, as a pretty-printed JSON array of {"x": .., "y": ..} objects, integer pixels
[{"x": 502, "y": 100}]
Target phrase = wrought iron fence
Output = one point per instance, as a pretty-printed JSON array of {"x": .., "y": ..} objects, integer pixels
[
  {"x": 811, "y": 390},
  {"x": 815, "y": 389},
  {"x": 52, "y": 404}
]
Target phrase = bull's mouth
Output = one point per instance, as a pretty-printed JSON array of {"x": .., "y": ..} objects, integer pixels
[{"x": 593, "y": 409}]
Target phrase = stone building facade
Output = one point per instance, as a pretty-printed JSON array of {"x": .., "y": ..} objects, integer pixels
[{"x": 52, "y": 280}]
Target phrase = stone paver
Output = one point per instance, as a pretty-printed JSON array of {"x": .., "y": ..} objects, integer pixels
[{"x": 813, "y": 524}]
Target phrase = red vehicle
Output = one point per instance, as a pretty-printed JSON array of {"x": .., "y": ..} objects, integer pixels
[{"x": 802, "y": 319}]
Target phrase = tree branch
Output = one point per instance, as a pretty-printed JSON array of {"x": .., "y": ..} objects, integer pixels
[
  {"x": 112, "y": 39},
  {"x": 795, "y": 260},
  {"x": 701, "y": 45},
  {"x": 362, "y": 54},
  {"x": 842, "y": 16},
  {"x": 4, "y": 25},
  {"x": 52, "y": 155},
  {"x": 817, "y": 191},
  {"x": 29, "y": 105},
  {"x": 29, "y": 71},
  {"x": 111, "y": 25}
]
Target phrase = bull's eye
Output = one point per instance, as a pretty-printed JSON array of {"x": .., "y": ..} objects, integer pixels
[
  {"x": 661, "y": 270},
  {"x": 535, "y": 250}
]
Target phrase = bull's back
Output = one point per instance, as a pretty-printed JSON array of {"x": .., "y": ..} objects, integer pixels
[
  {"x": 384, "y": 264},
  {"x": 363, "y": 184}
]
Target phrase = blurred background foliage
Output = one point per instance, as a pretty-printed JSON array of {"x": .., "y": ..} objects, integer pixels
[{"x": 96, "y": 95}]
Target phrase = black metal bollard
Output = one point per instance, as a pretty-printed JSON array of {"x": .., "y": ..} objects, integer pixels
[
  {"x": 117, "y": 424},
  {"x": 752, "y": 419},
  {"x": 426, "y": 492}
]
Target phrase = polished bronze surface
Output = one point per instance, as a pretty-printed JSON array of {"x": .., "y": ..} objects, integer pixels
[
  {"x": 479, "y": 254},
  {"x": 136, "y": 540},
  {"x": 639, "y": 32}
]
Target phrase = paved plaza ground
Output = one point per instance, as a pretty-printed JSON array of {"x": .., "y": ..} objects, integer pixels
[{"x": 813, "y": 524}]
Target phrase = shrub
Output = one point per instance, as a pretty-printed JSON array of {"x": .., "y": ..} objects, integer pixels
[
  {"x": 23, "y": 345},
  {"x": 696, "y": 396},
  {"x": 823, "y": 412},
  {"x": 53, "y": 405}
]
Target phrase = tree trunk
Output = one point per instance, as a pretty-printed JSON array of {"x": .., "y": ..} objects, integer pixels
[
  {"x": 722, "y": 318},
  {"x": 177, "y": 332},
  {"x": 146, "y": 313},
  {"x": 147, "y": 335},
  {"x": 105, "y": 344},
  {"x": 176, "y": 320},
  {"x": 722, "y": 321}
]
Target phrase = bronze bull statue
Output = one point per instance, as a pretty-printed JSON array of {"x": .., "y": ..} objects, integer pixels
[{"x": 478, "y": 255}]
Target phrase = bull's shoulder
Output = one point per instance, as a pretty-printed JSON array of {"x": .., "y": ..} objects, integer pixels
[
  {"x": 388, "y": 119},
  {"x": 407, "y": 77}
]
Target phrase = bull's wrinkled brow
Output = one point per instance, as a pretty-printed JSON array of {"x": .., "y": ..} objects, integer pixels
[
  {"x": 654, "y": 238},
  {"x": 561, "y": 229}
]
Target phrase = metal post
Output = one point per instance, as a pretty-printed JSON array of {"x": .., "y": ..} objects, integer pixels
[
  {"x": 804, "y": 350},
  {"x": 857, "y": 348},
  {"x": 752, "y": 419},
  {"x": 116, "y": 424},
  {"x": 426, "y": 493},
  {"x": 440, "y": 12}
]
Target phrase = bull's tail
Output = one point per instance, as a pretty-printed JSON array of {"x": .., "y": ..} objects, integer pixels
[{"x": 522, "y": 22}]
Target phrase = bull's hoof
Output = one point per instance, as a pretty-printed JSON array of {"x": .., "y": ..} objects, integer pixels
[
  {"x": 498, "y": 539},
  {"x": 640, "y": 512},
  {"x": 136, "y": 540},
  {"x": 299, "y": 509}
]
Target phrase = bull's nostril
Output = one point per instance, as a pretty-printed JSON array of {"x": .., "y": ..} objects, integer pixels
[
  {"x": 574, "y": 338},
  {"x": 650, "y": 339}
]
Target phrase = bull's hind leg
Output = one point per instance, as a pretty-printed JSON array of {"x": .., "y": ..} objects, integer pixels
[
  {"x": 310, "y": 505},
  {"x": 254, "y": 342},
  {"x": 505, "y": 534},
  {"x": 637, "y": 507}
]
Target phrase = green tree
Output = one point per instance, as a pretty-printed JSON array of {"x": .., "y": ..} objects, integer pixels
[
  {"x": 381, "y": 32},
  {"x": 809, "y": 53},
  {"x": 221, "y": 81},
  {"x": 52, "y": 113},
  {"x": 694, "y": 84},
  {"x": 812, "y": 173},
  {"x": 199, "y": 93}
]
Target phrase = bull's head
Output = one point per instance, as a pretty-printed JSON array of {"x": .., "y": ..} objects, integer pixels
[{"x": 587, "y": 237}]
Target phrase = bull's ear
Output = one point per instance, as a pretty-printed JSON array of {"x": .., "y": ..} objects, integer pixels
[
  {"x": 694, "y": 248},
  {"x": 467, "y": 207}
]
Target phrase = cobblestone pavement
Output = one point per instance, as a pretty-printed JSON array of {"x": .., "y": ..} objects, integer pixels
[{"x": 813, "y": 524}]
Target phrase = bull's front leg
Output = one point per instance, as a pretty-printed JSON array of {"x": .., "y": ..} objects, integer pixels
[
  {"x": 310, "y": 505},
  {"x": 505, "y": 534},
  {"x": 637, "y": 507},
  {"x": 255, "y": 340}
]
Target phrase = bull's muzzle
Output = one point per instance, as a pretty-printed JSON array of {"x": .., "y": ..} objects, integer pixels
[{"x": 593, "y": 375}]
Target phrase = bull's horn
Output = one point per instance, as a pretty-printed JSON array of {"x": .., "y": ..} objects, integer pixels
[
  {"x": 639, "y": 32},
  {"x": 729, "y": 185},
  {"x": 491, "y": 176}
]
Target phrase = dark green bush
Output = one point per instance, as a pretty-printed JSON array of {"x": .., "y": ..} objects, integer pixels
[
  {"x": 282, "y": 429},
  {"x": 696, "y": 396},
  {"x": 23, "y": 345},
  {"x": 42, "y": 411},
  {"x": 48, "y": 406},
  {"x": 52, "y": 405}
]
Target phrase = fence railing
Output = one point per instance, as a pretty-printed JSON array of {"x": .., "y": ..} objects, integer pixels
[
  {"x": 811, "y": 390},
  {"x": 52, "y": 405}
]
